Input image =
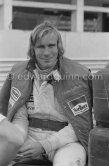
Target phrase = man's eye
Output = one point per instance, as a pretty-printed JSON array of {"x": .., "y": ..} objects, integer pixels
[
  {"x": 40, "y": 46},
  {"x": 52, "y": 45}
]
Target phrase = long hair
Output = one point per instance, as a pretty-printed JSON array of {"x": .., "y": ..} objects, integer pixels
[{"x": 37, "y": 34}]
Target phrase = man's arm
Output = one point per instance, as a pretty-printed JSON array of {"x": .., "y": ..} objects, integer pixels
[
  {"x": 59, "y": 139},
  {"x": 10, "y": 139}
]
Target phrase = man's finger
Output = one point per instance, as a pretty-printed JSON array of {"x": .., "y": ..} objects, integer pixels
[
  {"x": 24, "y": 148},
  {"x": 26, "y": 153}
]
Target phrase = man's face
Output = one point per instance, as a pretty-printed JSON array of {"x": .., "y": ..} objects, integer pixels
[{"x": 46, "y": 51}]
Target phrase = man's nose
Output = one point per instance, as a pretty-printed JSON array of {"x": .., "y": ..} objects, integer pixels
[{"x": 46, "y": 52}]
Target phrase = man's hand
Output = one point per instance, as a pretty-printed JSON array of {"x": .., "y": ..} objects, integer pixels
[{"x": 31, "y": 149}]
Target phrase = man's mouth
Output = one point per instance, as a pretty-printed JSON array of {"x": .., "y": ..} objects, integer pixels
[{"x": 46, "y": 60}]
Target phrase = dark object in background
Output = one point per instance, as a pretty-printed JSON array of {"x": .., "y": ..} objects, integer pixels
[
  {"x": 101, "y": 97},
  {"x": 99, "y": 147}
]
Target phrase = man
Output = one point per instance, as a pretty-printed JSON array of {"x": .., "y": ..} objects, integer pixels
[{"x": 50, "y": 102}]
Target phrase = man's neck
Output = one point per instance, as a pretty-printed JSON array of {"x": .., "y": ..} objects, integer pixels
[{"x": 45, "y": 71}]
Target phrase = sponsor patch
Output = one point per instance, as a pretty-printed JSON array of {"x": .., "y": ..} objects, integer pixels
[
  {"x": 15, "y": 94},
  {"x": 30, "y": 105},
  {"x": 78, "y": 105}
]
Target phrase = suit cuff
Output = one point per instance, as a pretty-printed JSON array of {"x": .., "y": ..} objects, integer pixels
[{"x": 46, "y": 145}]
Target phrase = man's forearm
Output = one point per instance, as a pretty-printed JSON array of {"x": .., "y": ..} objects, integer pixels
[{"x": 59, "y": 139}]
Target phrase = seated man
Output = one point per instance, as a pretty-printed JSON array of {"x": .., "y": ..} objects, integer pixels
[{"x": 50, "y": 102}]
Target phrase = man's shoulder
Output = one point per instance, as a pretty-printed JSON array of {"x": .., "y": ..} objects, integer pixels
[
  {"x": 72, "y": 66},
  {"x": 20, "y": 65}
]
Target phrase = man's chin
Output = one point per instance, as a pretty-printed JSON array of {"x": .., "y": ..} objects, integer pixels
[{"x": 46, "y": 67}]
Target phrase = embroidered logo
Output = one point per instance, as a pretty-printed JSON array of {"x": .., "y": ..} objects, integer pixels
[
  {"x": 15, "y": 94},
  {"x": 78, "y": 105}
]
